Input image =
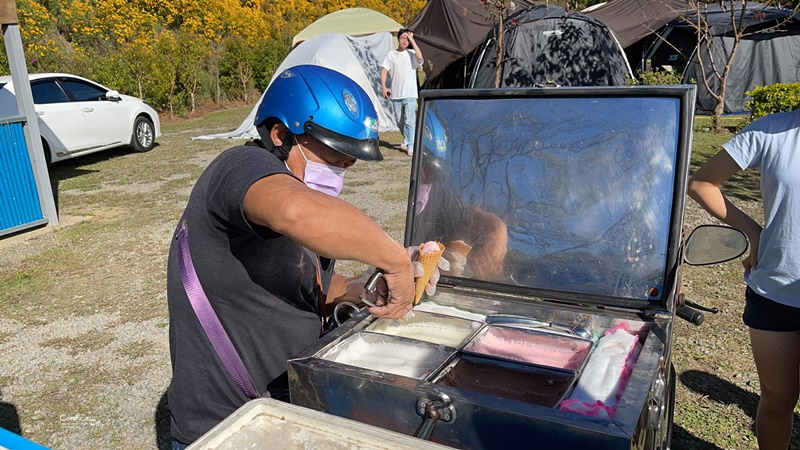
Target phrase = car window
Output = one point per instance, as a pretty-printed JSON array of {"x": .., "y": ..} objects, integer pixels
[
  {"x": 48, "y": 91},
  {"x": 82, "y": 91}
]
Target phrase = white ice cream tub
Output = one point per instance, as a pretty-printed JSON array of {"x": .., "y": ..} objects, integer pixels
[{"x": 272, "y": 424}]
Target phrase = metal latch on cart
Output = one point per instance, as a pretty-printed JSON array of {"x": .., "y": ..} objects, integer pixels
[{"x": 433, "y": 411}]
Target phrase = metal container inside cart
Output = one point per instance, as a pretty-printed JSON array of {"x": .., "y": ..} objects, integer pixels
[{"x": 585, "y": 188}]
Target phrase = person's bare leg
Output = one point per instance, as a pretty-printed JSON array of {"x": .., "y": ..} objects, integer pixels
[{"x": 777, "y": 357}]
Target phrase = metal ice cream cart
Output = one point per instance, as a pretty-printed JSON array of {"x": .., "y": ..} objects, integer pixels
[{"x": 589, "y": 184}]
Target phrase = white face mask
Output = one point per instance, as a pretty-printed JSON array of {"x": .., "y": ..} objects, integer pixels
[{"x": 322, "y": 177}]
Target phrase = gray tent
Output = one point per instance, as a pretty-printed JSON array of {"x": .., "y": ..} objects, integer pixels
[
  {"x": 660, "y": 34},
  {"x": 635, "y": 22},
  {"x": 765, "y": 55},
  {"x": 447, "y": 31},
  {"x": 546, "y": 44}
]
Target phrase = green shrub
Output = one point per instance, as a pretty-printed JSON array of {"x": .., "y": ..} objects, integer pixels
[
  {"x": 655, "y": 77},
  {"x": 779, "y": 97}
]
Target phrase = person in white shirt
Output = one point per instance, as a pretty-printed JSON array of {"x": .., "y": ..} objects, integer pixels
[
  {"x": 772, "y": 270},
  {"x": 401, "y": 67}
]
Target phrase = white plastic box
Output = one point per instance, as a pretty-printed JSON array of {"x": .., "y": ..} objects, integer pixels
[{"x": 275, "y": 425}]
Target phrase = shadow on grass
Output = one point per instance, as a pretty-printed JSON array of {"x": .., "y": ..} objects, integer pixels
[
  {"x": 386, "y": 144},
  {"x": 9, "y": 418},
  {"x": 74, "y": 168},
  {"x": 682, "y": 439},
  {"x": 386, "y": 147},
  {"x": 719, "y": 390},
  {"x": 745, "y": 185}
]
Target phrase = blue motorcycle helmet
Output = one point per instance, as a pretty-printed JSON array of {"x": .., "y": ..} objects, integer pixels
[
  {"x": 325, "y": 104},
  {"x": 434, "y": 142}
]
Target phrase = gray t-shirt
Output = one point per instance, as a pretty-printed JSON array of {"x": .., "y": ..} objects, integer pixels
[
  {"x": 772, "y": 144},
  {"x": 262, "y": 286}
]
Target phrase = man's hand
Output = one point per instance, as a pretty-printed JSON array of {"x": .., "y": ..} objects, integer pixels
[
  {"x": 488, "y": 260},
  {"x": 400, "y": 282},
  {"x": 457, "y": 261},
  {"x": 386, "y": 92},
  {"x": 751, "y": 261},
  {"x": 414, "y": 45}
]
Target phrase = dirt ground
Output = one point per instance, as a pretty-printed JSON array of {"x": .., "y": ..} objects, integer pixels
[{"x": 84, "y": 360}]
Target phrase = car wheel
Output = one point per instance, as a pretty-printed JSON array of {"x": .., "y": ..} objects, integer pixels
[
  {"x": 47, "y": 157},
  {"x": 143, "y": 138}
]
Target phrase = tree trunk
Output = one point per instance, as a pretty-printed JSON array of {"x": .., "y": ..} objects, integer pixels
[
  {"x": 719, "y": 108},
  {"x": 500, "y": 49},
  {"x": 245, "y": 73},
  {"x": 217, "y": 89}
]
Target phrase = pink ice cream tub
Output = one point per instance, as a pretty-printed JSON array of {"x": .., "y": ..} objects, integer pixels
[{"x": 541, "y": 348}]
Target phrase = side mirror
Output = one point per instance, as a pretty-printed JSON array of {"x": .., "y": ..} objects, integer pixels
[
  {"x": 113, "y": 96},
  {"x": 712, "y": 244}
]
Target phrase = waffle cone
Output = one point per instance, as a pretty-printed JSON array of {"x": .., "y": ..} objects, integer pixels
[
  {"x": 429, "y": 262},
  {"x": 460, "y": 247}
]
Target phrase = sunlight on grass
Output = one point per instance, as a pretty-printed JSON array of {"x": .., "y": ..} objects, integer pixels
[{"x": 706, "y": 143}]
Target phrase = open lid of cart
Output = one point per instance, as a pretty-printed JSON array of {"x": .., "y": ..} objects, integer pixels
[{"x": 589, "y": 184}]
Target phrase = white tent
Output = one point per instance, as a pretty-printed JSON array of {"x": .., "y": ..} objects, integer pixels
[
  {"x": 357, "y": 57},
  {"x": 350, "y": 21}
]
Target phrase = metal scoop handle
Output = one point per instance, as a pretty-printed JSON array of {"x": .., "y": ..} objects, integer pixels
[
  {"x": 526, "y": 322},
  {"x": 370, "y": 287}
]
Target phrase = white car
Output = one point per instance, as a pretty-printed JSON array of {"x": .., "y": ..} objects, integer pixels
[{"x": 78, "y": 116}]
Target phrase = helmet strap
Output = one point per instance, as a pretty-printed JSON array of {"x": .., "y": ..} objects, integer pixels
[{"x": 281, "y": 151}]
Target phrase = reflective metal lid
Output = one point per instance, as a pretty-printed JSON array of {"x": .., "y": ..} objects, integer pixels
[{"x": 586, "y": 184}]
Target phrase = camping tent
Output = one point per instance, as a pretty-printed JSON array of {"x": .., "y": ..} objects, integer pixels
[
  {"x": 546, "y": 44},
  {"x": 765, "y": 55},
  {"x": 357, "y": 57},
  {"x": 661, "y": 34},
  {"x": 633, "y": 21},
  {"x": 448, "y": 30},
  {"x": 350, "y": 21}
]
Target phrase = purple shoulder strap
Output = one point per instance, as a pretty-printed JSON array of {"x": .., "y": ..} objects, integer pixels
[{"x": 208, "y": 318}]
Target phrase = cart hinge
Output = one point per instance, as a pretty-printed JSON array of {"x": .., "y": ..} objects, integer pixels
[{"x": 433, "y": 411}]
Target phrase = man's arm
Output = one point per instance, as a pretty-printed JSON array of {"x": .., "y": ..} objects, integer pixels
[
  {"x": 488, "y": 260},
  {"x": 386, "y": 92},
  {"x": 332, "y": 228},
  {"x": 414, "y": 45}
]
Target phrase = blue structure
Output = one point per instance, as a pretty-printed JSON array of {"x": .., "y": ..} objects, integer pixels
[
  {"x": 26, "y": 197},
  {"x": 11, "y": 441},
  {"x": 19, "y": 198}
]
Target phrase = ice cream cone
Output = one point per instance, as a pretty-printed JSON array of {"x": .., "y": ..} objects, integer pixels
[
  {"x": 459, "y": 247},
  {"x": 429, "y": 262}
]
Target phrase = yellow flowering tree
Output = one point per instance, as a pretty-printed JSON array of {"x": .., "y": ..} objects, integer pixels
[{"x": 174, "y": 53}]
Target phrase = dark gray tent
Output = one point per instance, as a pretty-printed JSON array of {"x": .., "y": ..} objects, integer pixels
[
  {"x": 635, "y": 22},
  {"x": 765, "y": 55},
  {"x": 447, "y": 31},
  {"x": 546, "y": 44}
]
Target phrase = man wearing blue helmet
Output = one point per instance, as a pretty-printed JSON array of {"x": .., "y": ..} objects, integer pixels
[{"x": 246, "y": 290}]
